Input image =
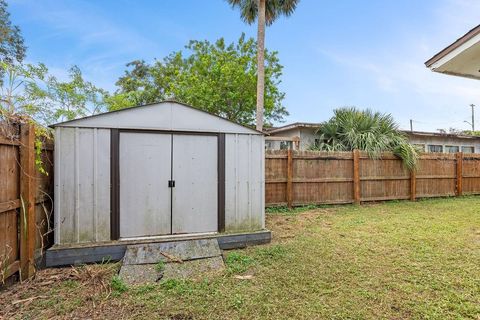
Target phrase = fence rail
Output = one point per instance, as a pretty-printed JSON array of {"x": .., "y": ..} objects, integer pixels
[
  {"x": 310, "y": 177},
  {"x": 25, "y": 201}
]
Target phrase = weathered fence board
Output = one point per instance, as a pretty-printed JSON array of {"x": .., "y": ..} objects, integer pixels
[
  {"x": 352, "y": 177},
  {"x": 25, "y": 201}
]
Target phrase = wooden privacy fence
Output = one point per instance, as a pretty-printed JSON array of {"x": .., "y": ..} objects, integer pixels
[
  {"x": 311, "y": 177},
  {"x": 25, "y": 200}
]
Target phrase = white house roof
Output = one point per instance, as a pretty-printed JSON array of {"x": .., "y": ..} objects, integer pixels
[
  {"x": 440, "y": 134},
  {"x": 166, "y": 115},
  {"x": 294, "y": 125},
  {"x": 461, "y": 58}
]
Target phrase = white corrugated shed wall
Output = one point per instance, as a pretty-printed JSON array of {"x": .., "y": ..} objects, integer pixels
[
  {"x": 244, "y": 182},
  {"x": 82, "y": 185},
  {"x": 82, "y": 182}
]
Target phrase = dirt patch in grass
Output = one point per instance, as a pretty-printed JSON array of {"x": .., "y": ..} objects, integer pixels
[
  {"x": 399, "y": 260},
  {"x": 288, "y": 226}
]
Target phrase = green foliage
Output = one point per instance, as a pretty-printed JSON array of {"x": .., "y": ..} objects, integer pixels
[
  {"x": 20, "y": 92},
  {"x": 217, "y": 77},
  {"x": 284, "y": 210},
  {"x": 238, "y": 263},
  {"x": 273, "y": 9},
  {"x": 29, "y": 93},
  {"x": 373, "y": 132},
  {"x": 237, "y": 301},
  {"x": 160, "y": 266},
  {"x": 71, "y": 284},
  {"x": 74, "y": 98},
  {"x": 144, "y": 289},
  {"x": 118, "y": 286},
  {"x": 29, "y": 90},
  {"x": 177, "y": 286},
  {"x": 271, "y": 253},
  {"x": 12, "y": 47},
  {"x": 470, "y": 133}
]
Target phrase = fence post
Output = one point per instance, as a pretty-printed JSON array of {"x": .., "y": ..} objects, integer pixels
[
  {"x": 356, "y": 176},
  {"x": 413, "y": 185},
  {"x": 289, "y": 178},
  {"x": 459, "y": 167},
  {"x": 27, "y": 200}
]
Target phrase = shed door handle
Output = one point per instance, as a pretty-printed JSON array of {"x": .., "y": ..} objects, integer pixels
[{"x": 171, "y": 183}]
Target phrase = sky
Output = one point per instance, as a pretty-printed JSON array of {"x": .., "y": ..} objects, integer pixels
[{"x": 335, "y": 53}]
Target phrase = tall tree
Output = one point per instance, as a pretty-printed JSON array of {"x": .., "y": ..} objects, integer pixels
[
  {"x": 374, "y": 132},
  {"x": 216, "y": 77},
  {"x": 12, "y": 47},
  {"x": 29, "y": 90},
  {"x": 75, "y": 98},
  {"x": 265, "y": 12}
]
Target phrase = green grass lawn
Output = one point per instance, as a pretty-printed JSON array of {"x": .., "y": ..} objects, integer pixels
[{"x": 396, "y": 260}]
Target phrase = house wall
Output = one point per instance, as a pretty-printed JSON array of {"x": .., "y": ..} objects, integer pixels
[
  {"x": 306, "y": 135},
  {"x": 307, "y": 138},
  {"x": 274, "y": 144},
  {"x": 444, "y": 141},
  {"x": 82, "y": 184}
]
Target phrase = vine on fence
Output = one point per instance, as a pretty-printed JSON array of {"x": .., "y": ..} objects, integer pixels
[{"x": 11, "y": 129}]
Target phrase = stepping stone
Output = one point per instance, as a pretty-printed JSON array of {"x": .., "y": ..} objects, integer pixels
[
  {"x": 184, "y": 250},
  {"x": 197, "y": 258},
  {"x": 139, "y": 274}
]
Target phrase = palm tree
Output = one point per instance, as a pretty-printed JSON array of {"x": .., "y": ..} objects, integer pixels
[
  {"x": 266, "y": 12},
  {"x": 373, "y": 132}
]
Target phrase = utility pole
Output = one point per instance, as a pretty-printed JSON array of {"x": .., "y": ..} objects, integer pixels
[
  {"x": 473, "y": 116},
  {"x": 411, "y": 125}
]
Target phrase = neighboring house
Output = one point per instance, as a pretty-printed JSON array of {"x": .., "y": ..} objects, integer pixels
[
  {"x": 298, "y": 135},
  {"x": 301, "y": 136},
  {"x": 444, "y": 142}
]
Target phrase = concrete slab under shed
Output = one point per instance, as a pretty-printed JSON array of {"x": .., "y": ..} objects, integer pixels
[{"x": 75, "y": 254}]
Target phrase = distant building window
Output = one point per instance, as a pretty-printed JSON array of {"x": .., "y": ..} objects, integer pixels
[
  {"x": 468, "y": 149},
  {"x": 268, "y": 145},
  {"x": 317, "y": 143},
  {"x": 451, "y": 149},
  {"x": 285, "y": 145},
  {"x": 435, "y": 148},
  {"x": 420, "y": 147}
]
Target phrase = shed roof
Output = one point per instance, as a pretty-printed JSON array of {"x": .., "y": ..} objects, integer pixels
[{"x": 165, "y": 115}]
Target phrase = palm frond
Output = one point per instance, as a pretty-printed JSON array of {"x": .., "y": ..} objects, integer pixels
[
  {"x": 273, "y": 9},
  {"x": 367, "y": 130}
]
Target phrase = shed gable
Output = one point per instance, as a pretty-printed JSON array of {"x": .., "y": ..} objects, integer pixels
[{"x": 170, "y": 116}]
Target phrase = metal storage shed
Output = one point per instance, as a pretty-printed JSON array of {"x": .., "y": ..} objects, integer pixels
[{"x": 151, "y": 173}]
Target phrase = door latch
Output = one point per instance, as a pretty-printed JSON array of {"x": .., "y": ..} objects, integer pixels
[{"x": 171, "y": 183}]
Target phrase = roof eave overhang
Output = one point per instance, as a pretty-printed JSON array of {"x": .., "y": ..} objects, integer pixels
[
  {"x": 452, "y": 47},
  {"x": 458, "y": 74},
  {"x": 459, "y": 59}
]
